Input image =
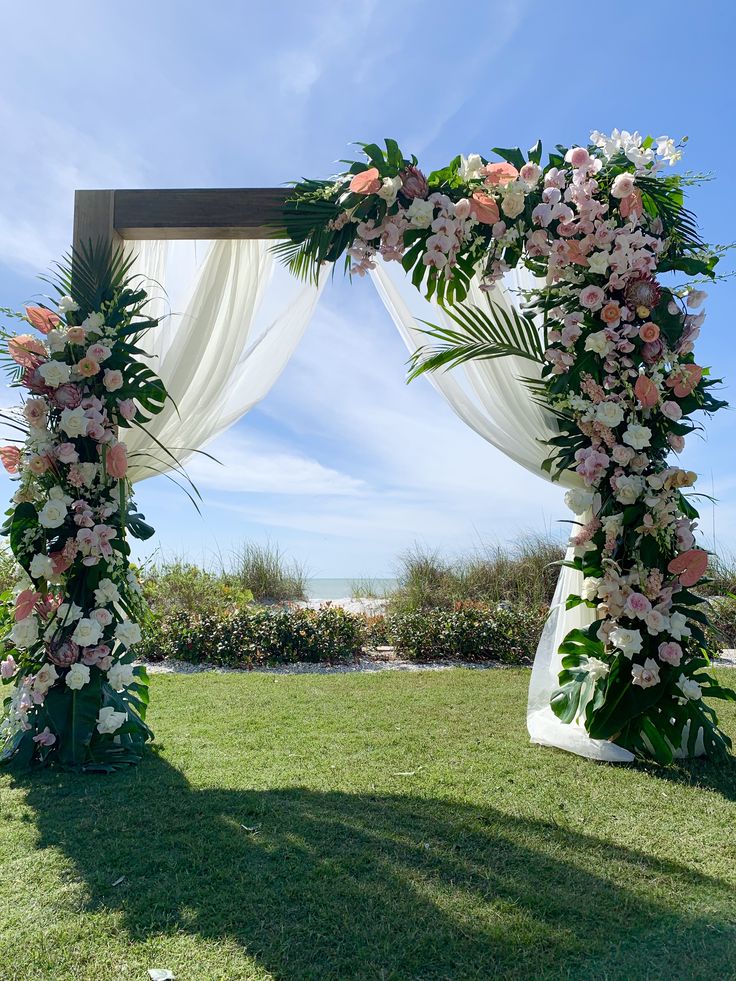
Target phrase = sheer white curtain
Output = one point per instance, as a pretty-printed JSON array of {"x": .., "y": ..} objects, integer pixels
[
  {"x": 490, "y": 397},
  {"x": 221, "y": 347}
]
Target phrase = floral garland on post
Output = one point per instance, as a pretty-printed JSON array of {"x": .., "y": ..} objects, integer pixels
[
  {"x": 599, "y": 226},
  {"x": 72, "y": 695}
]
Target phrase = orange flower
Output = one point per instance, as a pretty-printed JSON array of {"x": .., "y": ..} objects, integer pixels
[
  {"x": 575, "y": 253},
  {"x": 42, "y": 319},
  {"x": 26, "y": 350},
  {"x": 366, "y": 182},
  {"x": 685, "y": 380},
  {"x": 649, "y": 332},
  {"x": 611, "y": 313},
  {"x": 10, "y": 457},
  {"x": 87, "y": 367},
  {"x": 646, "y": 391},
  {"x": 484, "y": 208},
  {"x": 499, "y": 174}
]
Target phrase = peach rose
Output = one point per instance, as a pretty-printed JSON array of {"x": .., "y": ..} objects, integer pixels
[
  {"x": 113, "y": 380},
  {"x": 366, "y": 182},
  {"x": 87, "y": 367},
  {"x": 649, "y": 332},
  {"x": 484, "y": 208},
  {"x": 76, "y": 335},
  {"x": 646, "y": 391},
  {"x": 611, "y": 313},
  {"x": 42, "y": 319},
  {"x": 116, "y": 461},
  {"x": 499, "y": 174}
]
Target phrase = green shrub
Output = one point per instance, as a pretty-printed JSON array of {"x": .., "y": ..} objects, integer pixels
[
  {"x": 722, "y": 631},
  {"x": 264, "y": 571},
  {"x": 260, "y": 636},
  {"x": 471, "y": 632},
  {"x": 179, "y": 587}
]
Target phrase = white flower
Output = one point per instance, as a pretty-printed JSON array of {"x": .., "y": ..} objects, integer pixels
[
  {"x": 678, "y": 626},
  {"x": 87, "y": 633},
  {"x": 645, "y": 675},
  {"x": 579, "y": 500},
  {"x": 470, "y": 167},
  {"x": 54, "y": 373},
  {"x": 78, "y": 676},
  {"x": 68, "y": 613},
  {"x": 598, "y": 262},
  {"x": 128, "y": 633},
  {"x": 45, "y": 677},
  {"x": 598, "y": 343},
  {"x": 623, "y": 186},
  {"x": 120, "y": 676},
  {"x": 25, "y": 632},
  {"x": 626, "y": 640},
  {"x": 637, "y": 437},
  {"x": 609, "y": 414},
  {"x": 389, "y": 189},
  {"x": 689, "y": 687},
  {"x": 106, "y": 592},
  {"x": 629, "y": 489},
  {"x": 41, "y": 566},
  {"x": 513, "y": 203},
  {"x": 109, "y": 721},
  {"x": 589, "y": 590},
  {"x": 420, "y": 213},
  {"x": 93, "y": 322},
  {"x": 597, "y": 668},
  {"x": 67, "y": 305},
  {"x": 52, "y": 514},
  {"x": 56, "y": 341},
  {"x": 74, "y": 422},
  {"x": 667, "y": 150}
]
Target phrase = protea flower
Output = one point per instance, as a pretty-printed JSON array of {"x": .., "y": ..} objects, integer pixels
[
  {"x": 642, "y": 292},
  {"x": 64, "y": 654},
  {"x": 413, "y": 183},
  {"x": 67, "y": 396}
]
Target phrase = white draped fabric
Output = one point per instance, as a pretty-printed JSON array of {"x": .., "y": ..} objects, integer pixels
[
  {"x": 222, "y": 347},
  {"x": 491, "y": 398}
]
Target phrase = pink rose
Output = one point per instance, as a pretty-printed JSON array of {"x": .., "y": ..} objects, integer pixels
[
  {"x": 623, "y": 455},
  {"x": 116, "y": 461},
  {"x": 637, "y": 605},
  {"x": 623, "y": 186},
  {"x": 671, "y": 410},
  {"x": 27, "y": 351},
  {"x": 98, "y": 352},
  {"x": 66, "y": 453},
  {"x": 676, "y": 442},
  {"x": 611, "y": 314},
  {"x": 102, "y": 616},
  {"x": 592, "y": 297},
  {"x": 670, "y": 652},
  {"x": 96, "y": 656},
  {"x": 366, "y": 182},
  {"x": 484, "y": 208},
  {"x": 113, "y": 380},
  {"x": 578, "y": 156},
  {"x": 498, "y": 174},
  {"x": 38, "y": 464}
]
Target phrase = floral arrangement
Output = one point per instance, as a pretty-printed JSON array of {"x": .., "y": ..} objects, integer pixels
[
  {"x": 71, "y": 693},
  {"x": 599, "y": 226}
]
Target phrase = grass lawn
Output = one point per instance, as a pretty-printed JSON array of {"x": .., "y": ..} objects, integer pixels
[{"x": 384, "y": 826}]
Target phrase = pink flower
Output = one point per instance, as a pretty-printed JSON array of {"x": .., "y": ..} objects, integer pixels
[
  {"x": 66, "y": 453},
  {"x": 45, "y": 738},
  {"x": 462, "y": 209},
  {"x": 76, "y": 335},
  {"x": 611, "y": 314},
  {"x": 676, "y": 442},
  {"x": 671, "y": 410},
  {"x": 116, "y": 461},
  {"x": 87, "y": 367},
  {"x": 637, "y": 605},
  {"x": 98, "y": 352},
  {"x": 685, "y": 380},
  {"x": 60, "y": 561},
  {"x": 623, "y": 186},
  {"x": 42, "y": 319},
  {"x": 67, "y": 396},
  {"x": 27, "y": 351},
  {"x": 98, "y": 656},
  {"x": 689, "y": 566},
  {"x": 35, "y": 411},
  {"x": 623, "y": 455},
  {"x": 10, "y": 456},
  {"x": 102, "y": 616},
  {"x": 530, "y": 173},
  {"x": 8, "y": 667},
  {"x": 484, "y": 208},
  {"x": 498, "y": 174},
  {"x": 127, "y": 409},
  {"x": 631, "y": 205},
  {"x": 592, "y": 464},
  {"x": 649, "y": 332},
  {"x": 38, "y": 464},
  {"x": 578, "y": 156},
  {"x": 113, "y": 380},
  {"x": 646, "y": 392},
  {"x": 366, "y": 182},
  {"x": 592, "y": 297},
  {"x": 413, "y": 183},
  {"x": 652, "y": 352},
  {"x": 670, "y": 652}
]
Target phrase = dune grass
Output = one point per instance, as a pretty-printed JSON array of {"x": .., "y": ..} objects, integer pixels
[{"x": 366, "y": 826}]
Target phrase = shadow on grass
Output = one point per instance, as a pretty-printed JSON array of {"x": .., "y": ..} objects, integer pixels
[{"x": 329, "y": 885}]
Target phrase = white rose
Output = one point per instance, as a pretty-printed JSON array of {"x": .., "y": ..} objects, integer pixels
[
  {"x": 128, "y": 633},
  {"x": 87, "y": 633},
  {"x": 598, "y": 262},
  {"x": 41, "y": 567},
  {"x": 56, "y": 341},
  {"x": 623, "y": 186},
  {"x": 590, "y": 588},
  {"x": 689, "y": 688},
  {"x": 45, "y": 677},
  {"x": 598, "y": 343},
  {"x": 637, "y": 437},
  {"x": 73, "y": 422},
  {"x": 629, "y": 489},
  {"x": 109, "y": 721},
  {"x": 67, "y": 305},
  {"x": 597, "y": 668},
  {"x": 609, "y": 414},
  {"x": 54, "y": 373},
  {"x": 25, "y": 632},
  {"x": 78, "y": 676},
  {"x": 106, "y": 592},
  {"x": 420, "y": 213},
  {"x": 470, "y": 167},
  {"x": 579, "y": 500},
  {"x": 52, "y": 514},
  {"x": 120, "y": 676},
  {"x": 626, "y": 640},
  {"x": 389, "y": 189},
  {"x": 513, "y": 203}
]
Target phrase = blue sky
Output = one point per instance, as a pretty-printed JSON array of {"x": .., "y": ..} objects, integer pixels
[{"x": 343, "y": 464}]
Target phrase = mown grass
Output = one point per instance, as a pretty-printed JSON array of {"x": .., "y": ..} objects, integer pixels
[{"x": 366, "y": 826}]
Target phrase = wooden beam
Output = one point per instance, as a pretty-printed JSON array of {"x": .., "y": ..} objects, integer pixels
[
  {"x": 94, "y": 218},
  {"x": 193, "y": 213}
]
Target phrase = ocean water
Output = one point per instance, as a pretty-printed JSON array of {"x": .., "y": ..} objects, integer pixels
[{"x": 342, "y": 588}]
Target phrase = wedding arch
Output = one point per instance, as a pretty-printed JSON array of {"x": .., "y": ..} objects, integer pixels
[{"x": 544, "y": 302}]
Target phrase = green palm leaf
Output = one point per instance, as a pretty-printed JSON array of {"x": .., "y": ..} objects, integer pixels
[{"x": 480, "y": 335}]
